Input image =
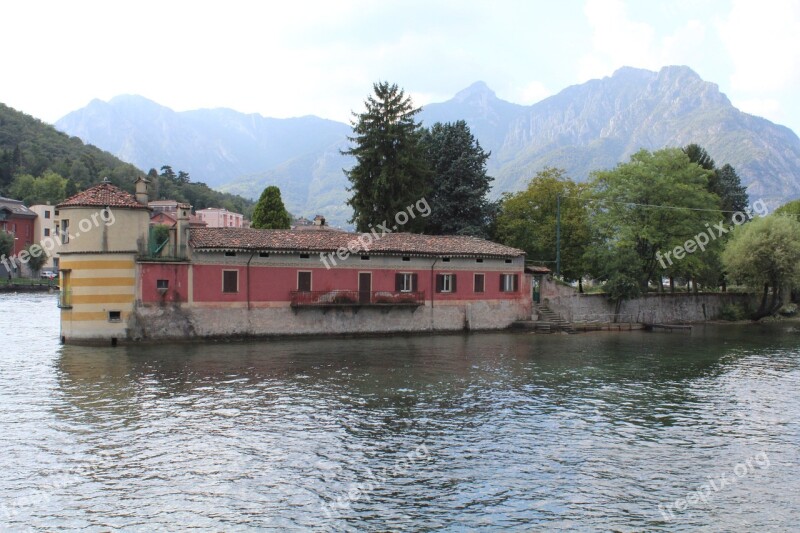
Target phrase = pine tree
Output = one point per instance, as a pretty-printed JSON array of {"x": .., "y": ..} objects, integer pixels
[
  {"x": 728, "y": 186},
  {"x": 269, "y": 212},
  {"x": 390, "y": 171},
  {"x": 458, "y": 184}
]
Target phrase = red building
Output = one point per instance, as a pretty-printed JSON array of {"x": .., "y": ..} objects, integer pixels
[
  {"x": 17, "y": 220},
  {"x": 272, "y": 282}
]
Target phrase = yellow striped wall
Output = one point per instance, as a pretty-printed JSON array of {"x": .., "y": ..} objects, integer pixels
[{"x": 99, "y": 283}]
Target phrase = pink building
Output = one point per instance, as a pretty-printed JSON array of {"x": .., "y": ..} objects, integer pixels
[{"x": 216, "y": 217}]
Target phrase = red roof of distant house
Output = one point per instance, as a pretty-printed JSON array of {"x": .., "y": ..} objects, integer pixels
[
  {"x": 103, "y": 195},
  {"x": 212, "y": 239},
  {"x": 161, "y": 217}
]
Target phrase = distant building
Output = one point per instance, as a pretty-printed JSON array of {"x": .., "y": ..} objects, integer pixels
[
  {"x": 45, "y": 227},
  {"x": 163, "y": 206},
  {"x": 18, "y": 221},
  {"x": 171, "y": 218},
  {"x": 216, "y": 217}
]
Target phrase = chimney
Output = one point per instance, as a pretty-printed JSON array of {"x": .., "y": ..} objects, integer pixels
[
  {"x": 141, "y": 190},
  {"x": 182, "y": 229}
]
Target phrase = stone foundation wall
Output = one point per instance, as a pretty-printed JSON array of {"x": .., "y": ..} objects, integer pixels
[
  {"x": 180, "y": 322},
  {"x": 668, "y": 308}
]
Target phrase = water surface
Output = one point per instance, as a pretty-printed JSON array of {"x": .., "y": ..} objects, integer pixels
[{"x": 452, "y": 432}]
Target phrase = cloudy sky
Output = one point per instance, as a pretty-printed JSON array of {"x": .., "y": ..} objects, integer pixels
[{"x": 295, "y": 58}]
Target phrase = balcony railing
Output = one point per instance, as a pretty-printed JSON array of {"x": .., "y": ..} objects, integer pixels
[
  {"x": 65, "y": 299},
  {"x": 351, "y": 298}
]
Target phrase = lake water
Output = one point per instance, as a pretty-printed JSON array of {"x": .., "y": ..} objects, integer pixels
[{"x": 451, "y": 432}]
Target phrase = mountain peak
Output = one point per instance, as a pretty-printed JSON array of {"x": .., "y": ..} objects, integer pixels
[{"x": 477, "y": 91}]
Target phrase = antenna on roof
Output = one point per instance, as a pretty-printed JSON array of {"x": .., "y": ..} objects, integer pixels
[{"x": 105, "y": 180}]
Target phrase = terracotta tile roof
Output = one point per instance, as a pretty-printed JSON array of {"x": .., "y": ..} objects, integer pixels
[
  {"x": 246, "y": 239},
  {"x": 16, "y": 208},
  {"x": 103, "y": 195}
]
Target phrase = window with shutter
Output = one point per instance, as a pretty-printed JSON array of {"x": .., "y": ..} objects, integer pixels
[
  {"x": 230, "y": 281},
  {"x": 479, "y": 282},
  {"x": 304, "y": 281}
]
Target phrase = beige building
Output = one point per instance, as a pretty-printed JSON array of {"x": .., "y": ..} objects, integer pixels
[
  {"x": 216, "y": 217},
  {"x": 45, "y": 233},
  {"x": 103, "y": 231}
]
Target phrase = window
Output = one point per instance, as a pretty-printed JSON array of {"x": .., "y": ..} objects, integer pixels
[
  {"x": 509, "y": 282},
  {"x": 46, "y": 232},
  {"x": 303, "y": 256},
  {"x": 405, "y": 282},
  {"x": 479, "y": 260},
  {"x": 115, "y": 316},
  {"x": 65, "y": 231},
  {"x": 162, "y": 284},
  {"x": 304, "y": 281},
  {"x": 230, "y": 254},
  {"x": 406, "y": 258},
  {"x": 508, "y": 260},
  {"x": 445, "y": 283},
  {"x": 445, "y": 259},
  {"x": 230, "y": 281},
  {"x": 47, "y": 214},
  {"x": 365, "y": 258},
  {"x": 479, "y": 282},
  {"x": 263, "y": 254}
]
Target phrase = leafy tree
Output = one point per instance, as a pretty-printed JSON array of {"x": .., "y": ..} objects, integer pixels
[
  {"x": 391, "y": 171},
  {"x": 183, "y": 177},
  {"x": 37, "y": 257},
  {"x": 48, "y": 188},
  {"x": 269, "y": 212},
  {"x": 765, "y": 255},
  {"x": 791, "y": 209},
  {"x": 724, "y": 182},
  {"x": 527, "y": 220},
  {"x": 6, "y": 244},
  {"x": 651, "y": 205},
  {"x": 459, "y": 185},
  {"x": 168, "y": 173}
]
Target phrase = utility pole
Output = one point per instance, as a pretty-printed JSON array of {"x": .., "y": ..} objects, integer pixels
[{"x": 558, "y": 234}]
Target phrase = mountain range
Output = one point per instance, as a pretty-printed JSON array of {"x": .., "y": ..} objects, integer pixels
[{"x": 585, "y": 127}]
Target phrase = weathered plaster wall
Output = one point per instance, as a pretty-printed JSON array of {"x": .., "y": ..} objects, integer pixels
[{"x": 181, "y": 322}]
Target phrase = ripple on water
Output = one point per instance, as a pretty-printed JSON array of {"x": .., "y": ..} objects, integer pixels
[{"x": 453, "y": 432}]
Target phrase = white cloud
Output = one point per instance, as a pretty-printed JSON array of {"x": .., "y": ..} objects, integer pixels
[
  {"x": 533, "y": 92},
  {"x": 763, "y": 43},
  {"x": 769, "y": 108},
  {"x": 616, "y": 40}
]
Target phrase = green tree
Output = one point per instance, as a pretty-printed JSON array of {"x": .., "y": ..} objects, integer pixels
[
  {"x": 765, "y": 256},
  {"x": 6, "y": 244},
  {"x": 649, "y": 206},
  {"x": 459, "y": 185},
  {"x": 697, "y": 154},
  {"x": 527, "y": 220},
  {"x": 391, "y": 171},
  {"x": 48, "y": 188},
  {"x": 791, "y": 209},
  {"x": 269, "y": 212},
  {"x": 726, "y": 184},
  {"x": 37, "y": 257}
]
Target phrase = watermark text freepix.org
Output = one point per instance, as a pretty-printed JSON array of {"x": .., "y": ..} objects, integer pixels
[
  {"x": 48, "y": 244},
  {"x": 704, "y": 491},
  {"x": 711, "y": 233},
  {"x": 362, "y": 242}
]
